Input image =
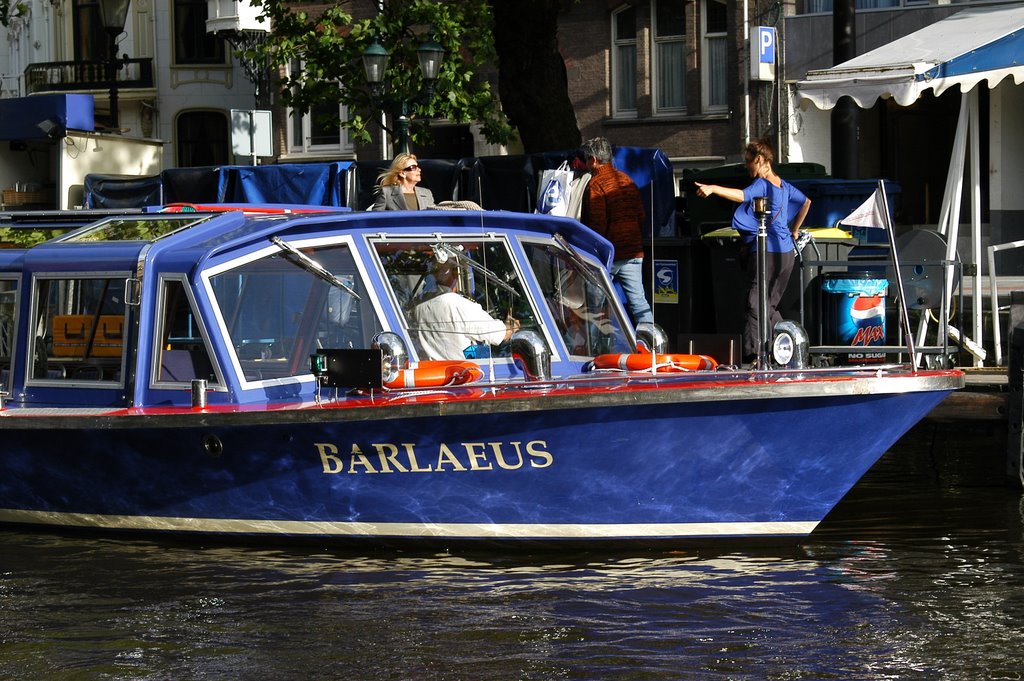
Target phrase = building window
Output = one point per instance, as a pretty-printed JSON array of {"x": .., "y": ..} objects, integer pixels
[
  {"x": 91, "y": 41},
  {"x": 202, "y": 139},
  {"x": 624, "y": 63},
  {"x": 669, "y": 57},
  {"x": 714, "y": 71},
  {"x": 318, "y": 130},
  {"x": 821, "y": 6},
  {"x": 192, "y": 44}
]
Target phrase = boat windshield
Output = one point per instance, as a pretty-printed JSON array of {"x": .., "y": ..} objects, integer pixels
[
  {"x": 488, "y": 291},
  {"x": 578, "y": 300},
  {"x": 134, "y": 228},
  {"x": 278, "y": 313}
]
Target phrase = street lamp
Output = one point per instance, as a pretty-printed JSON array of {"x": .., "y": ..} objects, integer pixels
[
  {"x": 243, "y": 27},
  {"x": 375, "y": 62},
  {"x": 245, "y": 43},
  {"x": 112, "y": 15}
]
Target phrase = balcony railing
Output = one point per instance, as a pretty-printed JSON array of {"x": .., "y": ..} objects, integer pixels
[{"x": 79, "y": 76}]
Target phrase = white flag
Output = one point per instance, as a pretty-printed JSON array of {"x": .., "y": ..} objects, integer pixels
[{"x": 871, "y": 213}]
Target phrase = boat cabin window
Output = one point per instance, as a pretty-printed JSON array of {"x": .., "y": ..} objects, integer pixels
[
  {"x": 577, "y": 298},
  {"x": 79, "y": 329},
  {"x": 422, "y": 272},
  {"x": 280, "y": 309},
  {"x": 8, "y": 324},
  {"x": 183, "y": 354}
]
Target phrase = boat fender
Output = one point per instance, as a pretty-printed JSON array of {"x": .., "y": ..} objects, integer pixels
[
  {"x": 641, "y": 361},
  {"x": 436, "y": 373}
]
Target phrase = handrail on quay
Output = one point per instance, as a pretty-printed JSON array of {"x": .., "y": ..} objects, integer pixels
[{"x": 993, "y": 288}]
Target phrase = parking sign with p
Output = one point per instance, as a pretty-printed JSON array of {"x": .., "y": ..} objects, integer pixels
[{"x": 762, "y": 57}]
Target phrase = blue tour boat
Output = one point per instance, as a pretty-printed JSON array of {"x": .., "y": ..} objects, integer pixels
[{"x": 260, "y": 373}]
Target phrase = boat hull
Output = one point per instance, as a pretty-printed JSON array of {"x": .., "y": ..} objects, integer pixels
[{"x": 653, "y": 462}]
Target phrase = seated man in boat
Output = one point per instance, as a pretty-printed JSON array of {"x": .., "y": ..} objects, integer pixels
[{"x": 446, "y": 323}]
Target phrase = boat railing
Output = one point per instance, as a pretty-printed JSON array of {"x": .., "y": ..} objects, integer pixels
[{"x": 617, "y": 379}]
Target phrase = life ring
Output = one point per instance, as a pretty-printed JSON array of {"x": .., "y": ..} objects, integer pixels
[
  {"x": 641, "y": 361},
  {"x": 434, "y": 373}
]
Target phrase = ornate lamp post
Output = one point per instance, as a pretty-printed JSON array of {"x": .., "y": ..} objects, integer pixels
[
  {"x": 375, "y": 62},
  {"x": 113, "y": 14},
  {"x": 239, "y": 23}
]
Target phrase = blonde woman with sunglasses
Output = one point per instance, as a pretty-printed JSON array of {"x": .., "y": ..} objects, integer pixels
[{"x": 396, "y": 186}]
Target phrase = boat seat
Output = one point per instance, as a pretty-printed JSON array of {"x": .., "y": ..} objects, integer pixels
[
  {"x": 73, "y": 334},
  {"x": 88, "y": 373},
  {"x": 177, "y": 366}
]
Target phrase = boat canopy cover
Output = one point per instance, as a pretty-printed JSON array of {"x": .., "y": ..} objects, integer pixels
[{"x": 967, "y": 48}]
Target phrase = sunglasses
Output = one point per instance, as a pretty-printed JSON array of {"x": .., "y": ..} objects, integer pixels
[{"x": 412, "y": 167}]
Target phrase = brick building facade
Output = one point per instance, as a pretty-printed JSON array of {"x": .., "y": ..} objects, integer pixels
[
  {"x": 689, "y": 63},
  {"x": 695, "y": 131}
]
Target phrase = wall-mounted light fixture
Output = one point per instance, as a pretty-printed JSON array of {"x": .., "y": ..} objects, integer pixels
[{"x": 52, "y": 128}]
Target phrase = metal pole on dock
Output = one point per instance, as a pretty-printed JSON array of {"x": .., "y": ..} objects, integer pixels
[
  {"x": 1015, "y": 408},
  {"x": 762, "y": 208},
  {"x": 904, "y": 315}
]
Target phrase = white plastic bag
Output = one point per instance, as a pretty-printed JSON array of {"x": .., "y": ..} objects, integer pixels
[{"x": 553, "y": 194}]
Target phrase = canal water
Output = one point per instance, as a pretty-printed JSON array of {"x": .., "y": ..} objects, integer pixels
[{"x": 917, "y": 574}]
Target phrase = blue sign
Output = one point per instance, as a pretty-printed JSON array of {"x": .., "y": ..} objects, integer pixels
[
  {"x": 766, "y": 44},
  {"x": 666, "y": 286}
]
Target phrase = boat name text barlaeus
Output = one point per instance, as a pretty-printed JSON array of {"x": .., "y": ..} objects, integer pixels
[{"x": 464, "y": 456}]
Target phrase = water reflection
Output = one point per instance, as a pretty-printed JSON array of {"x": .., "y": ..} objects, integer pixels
[{"x": 911, "y": 577}]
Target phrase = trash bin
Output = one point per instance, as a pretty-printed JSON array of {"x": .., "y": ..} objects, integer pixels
[
  {"x": 703, "y": 215},
  {"x": 853, "y": 314},
  {"x": 729, "y": 280},
  {"x": 834, "y": 199},
  {"x": 676, "y": 306}
]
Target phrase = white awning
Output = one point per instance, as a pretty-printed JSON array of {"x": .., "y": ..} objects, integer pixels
[{"x": 980, "y": 44}]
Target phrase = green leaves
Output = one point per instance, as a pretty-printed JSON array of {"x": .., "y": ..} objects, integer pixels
[
  {"x": 330, "y": 47},
  {"x": 10, "y": 10}
]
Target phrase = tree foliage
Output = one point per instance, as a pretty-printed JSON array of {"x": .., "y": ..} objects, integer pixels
[
  {"x": 10, "y": 10},
  {"x": 330, "y": 42},
  {"x": 534, "y": 85}
]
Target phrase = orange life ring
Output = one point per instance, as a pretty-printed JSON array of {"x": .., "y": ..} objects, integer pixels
[
  {"x": 641, "y": 361},
  {"x": 435, "y": 373}
]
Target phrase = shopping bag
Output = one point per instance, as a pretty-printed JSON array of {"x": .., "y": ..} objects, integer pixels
[{"x": 553, "y": 194}]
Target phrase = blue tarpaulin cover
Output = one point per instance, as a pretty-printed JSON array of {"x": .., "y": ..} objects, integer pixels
[
  {"x": 510, "y": 182},
  {"x": 496, "y": 183},
  {"x": 315, "y": 184},
  {"x": 651, "y": 171},
  {"x": 193, "y": 185},
  {"x": 118, "y": 191}
]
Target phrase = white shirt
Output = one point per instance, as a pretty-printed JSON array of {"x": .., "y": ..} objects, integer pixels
[{"x": 447, "y": 324}]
